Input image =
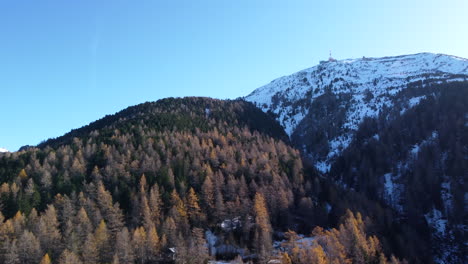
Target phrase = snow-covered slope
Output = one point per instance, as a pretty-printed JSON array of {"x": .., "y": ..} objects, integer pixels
[
  {"x": 3, "y": 150},
  {"x": 359, "y": 87}
]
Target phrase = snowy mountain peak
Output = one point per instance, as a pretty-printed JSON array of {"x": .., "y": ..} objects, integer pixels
[
  {"x": 362, "y": 71},
  {"x": 362, "y": 86},
  {"x": 3, "y": 150}
]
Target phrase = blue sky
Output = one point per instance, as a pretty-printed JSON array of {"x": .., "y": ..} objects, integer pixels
[{"x": 64, "y": 64}]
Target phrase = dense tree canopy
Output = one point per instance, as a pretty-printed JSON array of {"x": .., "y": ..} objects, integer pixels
[
  {"x": 145, "y": 184},
  {"x": 149, "y": 178}
]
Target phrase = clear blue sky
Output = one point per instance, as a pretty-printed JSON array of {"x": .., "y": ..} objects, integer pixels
[{"x": 64, "y": 63}]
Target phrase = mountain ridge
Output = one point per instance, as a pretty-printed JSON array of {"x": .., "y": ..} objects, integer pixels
[
  {"x": 151, "y": 110},
  {"x": 348, "y": 60},
  {"x": 364, "y": 86}
]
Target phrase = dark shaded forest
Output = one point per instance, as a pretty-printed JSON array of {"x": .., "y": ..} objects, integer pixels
[{"x": 420, "y": 152}]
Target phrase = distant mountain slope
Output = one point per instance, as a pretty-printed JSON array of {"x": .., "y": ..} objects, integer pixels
[
  {"x": 322, "y": 107},
  {"x": 3, "y": 150}
]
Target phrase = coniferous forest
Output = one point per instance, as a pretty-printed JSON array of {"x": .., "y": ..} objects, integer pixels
[
  {"x": 156, "y": 182},
  {"x": 233, "y": 132},
  {"x": 190, "y": 180}
]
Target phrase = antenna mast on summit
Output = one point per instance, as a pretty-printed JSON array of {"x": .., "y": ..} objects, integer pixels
[{"x": 331, "y": 58}]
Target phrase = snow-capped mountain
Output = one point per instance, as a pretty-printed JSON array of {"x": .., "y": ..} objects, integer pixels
[
  {"x": 3, "y": 150},
  {"x": 393, "y": 129},
  {"x": 334, "y": 97}
]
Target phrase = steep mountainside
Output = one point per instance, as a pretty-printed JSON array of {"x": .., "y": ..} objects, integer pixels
[
  {"x": 417, "y": 163},
  {"x": 322, "y": 107},
  {"x": 158, "y": 182},
  {"x": 393, "y": 129}
]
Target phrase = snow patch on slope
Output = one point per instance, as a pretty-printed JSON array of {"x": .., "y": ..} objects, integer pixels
[
  {"x": 416, "y": 148},
  {"x": 446, "y": 195},
  {"x": 393, "y": 191},
  {"x": 302, "y": 242},
  {"x": 322, "y": 166},
  {"x": 435, "y": 220},
  {"x": 338, "y": 144},
  {"x": 443, "y": 236},
  {"x": 415, "y": 100},
  {"x": 2, "y": 150}
]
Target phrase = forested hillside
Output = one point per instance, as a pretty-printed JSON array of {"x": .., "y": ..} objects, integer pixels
[{"x": 154, "y": 182}]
